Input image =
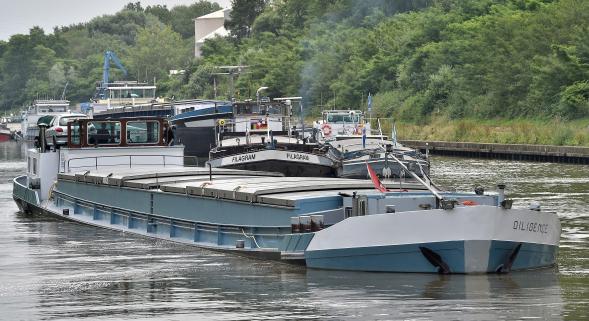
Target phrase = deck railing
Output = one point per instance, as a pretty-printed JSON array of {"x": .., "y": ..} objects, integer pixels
[
  {"x": 92, "y": 162},
  {"x": 21, "y": 191}
]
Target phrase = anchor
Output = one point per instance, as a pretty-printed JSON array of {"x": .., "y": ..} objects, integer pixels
[
  {"x": 435, "y": 259},
  {"x": 505, "y": 267}
]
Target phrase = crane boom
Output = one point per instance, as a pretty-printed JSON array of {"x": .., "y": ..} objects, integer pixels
[{"x": 108, "y": 57}]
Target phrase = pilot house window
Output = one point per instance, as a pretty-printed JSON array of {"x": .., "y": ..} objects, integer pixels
[
  {"x": 143, "y": 132},
  {"x": 104, "y": 132}
]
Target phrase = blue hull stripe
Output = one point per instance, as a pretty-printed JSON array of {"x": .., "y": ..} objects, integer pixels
[
  {"x": 529, "y": 256},
  {"x": 408, "y": 257},
  {"x": 396, "y": 258}
]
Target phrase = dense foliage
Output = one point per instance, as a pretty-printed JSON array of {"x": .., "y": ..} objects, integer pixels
[
  {"x": 483, "y": 58},
  {"x": 150, "y": 41},
  {"x": 418, "y": 58}
]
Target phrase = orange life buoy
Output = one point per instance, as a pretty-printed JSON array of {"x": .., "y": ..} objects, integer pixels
[
  {"x": 469, "y": 203},
  {"x": 326, "y": 128}
]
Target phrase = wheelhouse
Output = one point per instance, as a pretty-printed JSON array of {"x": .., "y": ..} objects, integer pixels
[{"x": 141, "y": 131}]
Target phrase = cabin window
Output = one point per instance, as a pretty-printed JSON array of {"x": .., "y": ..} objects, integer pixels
[
  {"x": 143, "y": 132},
  {"x": 343, "y": 118},
  {"x": 104, "y": 133},
  {"x": 75, "y": 133},
  {"x": 34, "y": 166}
]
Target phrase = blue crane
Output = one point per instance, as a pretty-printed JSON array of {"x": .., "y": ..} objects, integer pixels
[{"x": 108, "y": 57}]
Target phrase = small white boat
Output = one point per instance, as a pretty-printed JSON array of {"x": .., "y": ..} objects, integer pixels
[
  {"x": 351, "y": 134},
  {"x": 354, "y": 154},
  {"x": 40, "y": 108}
]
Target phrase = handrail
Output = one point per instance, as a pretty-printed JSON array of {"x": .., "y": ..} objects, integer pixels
[
  {"x": 130, "y": 163},
  {"x": 432, "y": 189},
  {"x": 380, "y": 130},
  {"x": 21, "y": 190}
]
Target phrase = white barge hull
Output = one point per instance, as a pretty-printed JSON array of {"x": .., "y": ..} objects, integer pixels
[{"x": 471, "y": 239}]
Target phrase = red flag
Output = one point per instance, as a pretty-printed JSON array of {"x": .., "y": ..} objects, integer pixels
[{"x": 377, "y": 183}]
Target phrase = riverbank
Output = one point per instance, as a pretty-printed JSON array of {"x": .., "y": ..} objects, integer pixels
[
  {"x": 522, "y": 152},
  {"x": 500, "y": 131}
]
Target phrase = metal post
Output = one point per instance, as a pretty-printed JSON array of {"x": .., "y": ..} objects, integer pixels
[
  {"x": 430, "y": 188},
  {"x": 302, "y": 119}
]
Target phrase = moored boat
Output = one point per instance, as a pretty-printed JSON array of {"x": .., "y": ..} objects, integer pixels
[
  {"x": 356, "y": 143},
  {"x": 287, "y": 155},
  {"x": 131, "y": 182},
  {"x": 38, "y": 109},
  {"x": 354, "y": 154},
  {"x": 5, "y": 133},
  {"x": 260, "y": 136}
]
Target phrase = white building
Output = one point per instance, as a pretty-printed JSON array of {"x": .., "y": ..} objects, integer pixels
[{"x": 209, "y": 26}]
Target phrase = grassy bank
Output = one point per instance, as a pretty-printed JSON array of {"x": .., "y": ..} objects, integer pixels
[{"x": 503, "y": 131}]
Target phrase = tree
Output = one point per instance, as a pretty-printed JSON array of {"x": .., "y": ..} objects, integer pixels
[
  {"x": 134, "y": 6},
  {"x": 243, "y": 15},
  {"x": 182, "y": 16},
  {"x": 161, "y": 12},
  {"x": 158, "y": 49},
  {"x": 16, "y": 69}
]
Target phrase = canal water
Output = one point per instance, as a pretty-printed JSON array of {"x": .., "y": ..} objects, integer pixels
[{"x": 56, "y": 270}]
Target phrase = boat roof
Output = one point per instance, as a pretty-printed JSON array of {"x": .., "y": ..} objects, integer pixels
[
  {"x": 342, "y": 111},
  {"x": 355, "y": 144},
  {"x": 51, "y": 102},
  {"x": 257, "y": 139},
  {"x": 236, "y": 185}
]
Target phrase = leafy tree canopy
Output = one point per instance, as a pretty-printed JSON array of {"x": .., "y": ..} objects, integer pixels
[{"x": 480, "y": 58}]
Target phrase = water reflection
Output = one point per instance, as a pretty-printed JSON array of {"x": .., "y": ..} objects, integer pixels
[
  {"x": 430, "y": 296},
  {"x": 80, "y": 272}
]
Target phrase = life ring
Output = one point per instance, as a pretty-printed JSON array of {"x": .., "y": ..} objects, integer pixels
[
  {"x": 326, "y": 128},
  {"x": 51, "y": 188}
]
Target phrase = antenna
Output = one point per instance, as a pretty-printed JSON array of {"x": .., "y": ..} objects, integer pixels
[
  {"x": 64, "y": 89},
  {"x": 231, "y": 71}
]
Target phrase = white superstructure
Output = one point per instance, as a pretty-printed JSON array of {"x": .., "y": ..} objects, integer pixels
[{"x": 39, "y": 109}]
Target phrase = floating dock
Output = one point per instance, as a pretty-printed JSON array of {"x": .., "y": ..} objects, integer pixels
[{"x": 524, "y": 152}]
